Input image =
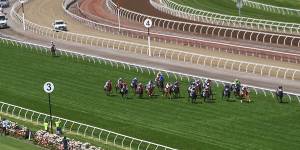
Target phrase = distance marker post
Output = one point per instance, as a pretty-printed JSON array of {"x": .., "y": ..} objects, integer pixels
[
  {"x": 148, "y": 25},
  {"x": 49, "y": 88}
]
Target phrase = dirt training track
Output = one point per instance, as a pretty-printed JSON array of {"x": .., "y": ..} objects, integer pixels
[
  {"x": 48, "y": 10},
  {"x": 97, "y": 11}
]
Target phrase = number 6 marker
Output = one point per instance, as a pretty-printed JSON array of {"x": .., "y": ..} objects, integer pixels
[{"x": 48, "y": 87}]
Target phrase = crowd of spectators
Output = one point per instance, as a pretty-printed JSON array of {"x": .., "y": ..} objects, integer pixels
[{"x": 42, "y": 138}]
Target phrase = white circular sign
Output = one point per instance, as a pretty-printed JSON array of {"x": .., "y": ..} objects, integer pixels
[
  {"x": 48, "y": 87},
  {"x": 148, "y": 23}
]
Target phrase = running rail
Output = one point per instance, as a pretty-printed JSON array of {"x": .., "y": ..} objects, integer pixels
[
  {"x": 201, "y": 43},
  {"x": 172, "y": 54},
  {"x": 138, "y": 68},
  {"x": 271, "y": 8},
  {"x": 193, "y": 14},
  {"x": 83, "y": 129},
  {"x": 212, "y": 30}
]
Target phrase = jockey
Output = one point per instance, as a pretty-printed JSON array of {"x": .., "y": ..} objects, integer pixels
[
  {"x": 107, "y": 83},
  {"x": 161, "y": 78},
  {"x": 168, "y": 85},
  {"x": 120, "y": 81},
  {"x": 237, "y": 82},
  {"x": 207, "y": 83},
  {"x": 150, "y": 84},
  {"x": 134, "y": 81},
  {"x": 227, "y": 86},
  {"x": 279, "y": 89}
]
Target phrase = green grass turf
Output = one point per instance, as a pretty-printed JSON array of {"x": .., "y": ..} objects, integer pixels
[
  {"x": 78, "y": 96},
  {"x": 9, "y": 143},
  {"x": 228, "y": 7}
]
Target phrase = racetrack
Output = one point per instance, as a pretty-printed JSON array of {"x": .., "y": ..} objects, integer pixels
[
  {"x": 43, "y": 17},
  {"x": 91, "y": 10}
]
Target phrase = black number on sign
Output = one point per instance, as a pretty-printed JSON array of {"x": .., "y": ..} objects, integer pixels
[
  {"x": 148, "y": 23},
  {"x": 49, "y": 87}
]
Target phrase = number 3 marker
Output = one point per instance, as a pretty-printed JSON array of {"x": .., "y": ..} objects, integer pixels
[{"x": 48, "y": 87}]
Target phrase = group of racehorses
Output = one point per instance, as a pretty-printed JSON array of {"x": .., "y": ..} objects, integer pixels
[{"x": 196, "y": 89}]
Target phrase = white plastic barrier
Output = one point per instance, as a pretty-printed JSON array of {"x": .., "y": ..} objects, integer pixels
[
  {"x": 136, "y": 67},
  {"x": 271, "y": 8},
  {"x": 258, "y": 36},
  {"x": 190, "y": 13}
]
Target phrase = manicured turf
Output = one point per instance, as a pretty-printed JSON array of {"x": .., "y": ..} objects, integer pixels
[
  {"x": 9, "y": 143},
  {"x": 229, "y": 7},
  {"x": 79, "y": 96}
]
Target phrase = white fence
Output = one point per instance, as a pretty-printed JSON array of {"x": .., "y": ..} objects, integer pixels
[
  {"x": 204, "y": 29},
  {"x": 136, "y": 67},
  {"x": 190, "y": 13},
  {"x": 271, "y": 8},
  {"x": 172, "y": 54},
  {"x": 201, "y": 43},
  {"x": 99, "y": 134}
]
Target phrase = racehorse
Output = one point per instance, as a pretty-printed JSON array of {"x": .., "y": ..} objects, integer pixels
[
  {"x": 193, "y": 95},
  {"x": 207, "y": 94},
  {"x": 279, "y": 95},
  {"x": 159, "y": 83},
  {"x": 236, "y": 88},
  {"x": 118, "y": 87},
  {"x": 124, "y": 90},
  {"x": 176, "y": 91},
  {"x": 140, "y": 90},
  {"x": 108, "y": 88},
  {"x": 245, "y": 94},
  {"x": 226, "y": 92},
  {"x": 150, "y": 90},
  {"x": 198, "y": 87},
  {"x": 133, "y": 86},
  {"x": 168, "y": 91}
]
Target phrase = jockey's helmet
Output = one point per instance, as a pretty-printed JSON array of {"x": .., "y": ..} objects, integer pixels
[{"x": 280, "y": 87}]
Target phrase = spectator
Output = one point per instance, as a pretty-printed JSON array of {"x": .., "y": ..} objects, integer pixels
[{"x": 66, "y": 143}]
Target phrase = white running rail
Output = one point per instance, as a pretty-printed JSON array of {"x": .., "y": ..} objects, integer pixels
[
  {"x": 100, "y": 134},
  {"x": 172, "y": 54},
  {"x": 271, "y": 8},
  {"x": 136, "y": 67},
  {"x": 193, "y": 14},
  {"x": 258, "y": 36}
]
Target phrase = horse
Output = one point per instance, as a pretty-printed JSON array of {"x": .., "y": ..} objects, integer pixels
[
  {"x": 176, "y": 91},
  {"x": 168, "y": 91},
  {"x": 140, "y": 90},
  {"x": 279, "y": 95},
  {"x": 118, "y": 86},
  {"x": 124, "y": 91},
  {"x": 193, "y": 95},
  {"x": 226, "y": 92},
  {"x": 108, "y": 88},
  {"x": 159, "y": 83},
  {"x": 245, "y": 94},
  {"x": 198, "y": 88},
  {"x": 133, "y": 86},
  {"x": 53, "y": 50},
  {"x": 150, "y": 90},
  {"x": 236, "y": 88},
  {"x": 207, "y": 94}
]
